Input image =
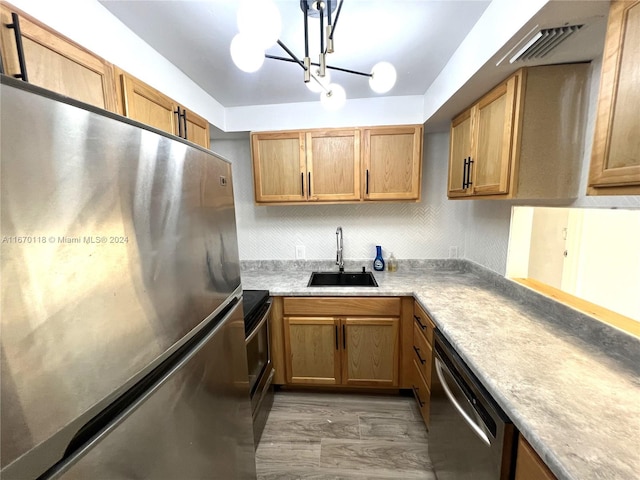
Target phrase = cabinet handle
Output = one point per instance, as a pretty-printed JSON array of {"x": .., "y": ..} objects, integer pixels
[
  {"x": 469, "y": 182},
  {"x": 344, "y": 337},
  {"x": 184, "y": 120},
  {"x": 367, "y": 182},
  {"x": 417, "y": 350},
  {"x": 464, "y": 174},
  {"x": 18, "y": 34},
  {"x": 337, "y": 345},
  {"x": 415, "y": 392},
  {"x": 423, "y": 327},
  {"x": 309, "y": 183},
  {"x": 302, "y": 184},
  {"x": 177, "y": 113}
]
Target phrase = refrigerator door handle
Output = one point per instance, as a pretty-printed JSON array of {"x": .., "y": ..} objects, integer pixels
[{"x": 112, "y": 416}]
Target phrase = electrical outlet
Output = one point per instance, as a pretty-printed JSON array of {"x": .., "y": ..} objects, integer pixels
[
  {"x": 453, "y": 252},
  {"x": 300, "y": 252}
]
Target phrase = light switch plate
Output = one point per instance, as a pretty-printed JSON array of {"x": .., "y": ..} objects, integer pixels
[
  {"x": 453, "y": 252},
  {"x": 300, "y": 252}
]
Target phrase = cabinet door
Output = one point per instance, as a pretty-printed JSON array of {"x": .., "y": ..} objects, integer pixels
[
  {"x": 147, "y": 105},
  {"x": 279, "y": 167},
  {"x": 459, "y": 152},
  {"x": 311, "y": 346},
  {"x": 197, "y": 129},
  {"x": 56, "y": 63},
  {"x": 615, "y": 159},
  {"x": 529, "y": 466},
  {"x": 492, "y": 139},
  {"x": 392, "y": 162},
  {"x": 370, "y": 354},
  {"x": 333, "y": 165}
]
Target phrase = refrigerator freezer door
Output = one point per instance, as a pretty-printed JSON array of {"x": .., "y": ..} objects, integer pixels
[
  {"x": 117, "y": 243},
  {"x": 196, "y": 425}
]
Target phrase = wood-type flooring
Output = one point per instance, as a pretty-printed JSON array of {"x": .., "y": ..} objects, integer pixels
[{"x": 324, "y": 436}]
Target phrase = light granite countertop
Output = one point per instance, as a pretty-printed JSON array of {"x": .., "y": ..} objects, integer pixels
[{"x": 569, "y": 383}]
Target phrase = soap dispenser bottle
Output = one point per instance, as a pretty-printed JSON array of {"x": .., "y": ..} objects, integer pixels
[
  {"x": 378, "y": 263},
  {"x": 392, "y": 263}
]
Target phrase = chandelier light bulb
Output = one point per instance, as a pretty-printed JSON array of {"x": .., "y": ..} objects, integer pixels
[
  {"x": 334, "y": 98},
  {"x": 383, "y": 77},
  {"x": 246, "y": 54},
  {"x": 260, "y": 21},
  {"x": 314, "y": 86}
]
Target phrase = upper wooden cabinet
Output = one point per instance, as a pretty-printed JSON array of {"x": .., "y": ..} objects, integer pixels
[
  {"x": 147, "y": 105},
  {"x": 54, "y": 62},
  {"x": 615, "y": 157},
  {"x": 523, "y": 139},
  {"x": 311, "y": 166},
  {"x": 329, "y": 165},
  {"x": 392, "y": 162}
]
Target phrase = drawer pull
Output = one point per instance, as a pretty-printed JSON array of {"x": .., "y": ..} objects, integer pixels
[
  {"x": 417, "y": 350},
  {"x": 415, "y": 392},
  {"x": 418, "y": 319}
]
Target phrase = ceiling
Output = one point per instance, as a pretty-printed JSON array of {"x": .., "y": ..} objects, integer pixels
[{"x": 417, "y": 36}]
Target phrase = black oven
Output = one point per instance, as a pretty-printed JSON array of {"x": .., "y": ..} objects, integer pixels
[{"x": 257, "y": 306}]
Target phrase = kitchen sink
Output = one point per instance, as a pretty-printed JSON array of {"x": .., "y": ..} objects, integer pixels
[{"x": 342, "y": 279}]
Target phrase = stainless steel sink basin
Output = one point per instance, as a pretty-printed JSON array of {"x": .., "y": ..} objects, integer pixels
[{"x": 342, "y": 279}]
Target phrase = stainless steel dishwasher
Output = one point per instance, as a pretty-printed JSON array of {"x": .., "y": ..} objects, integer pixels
[{"x": 470, "y": 437}]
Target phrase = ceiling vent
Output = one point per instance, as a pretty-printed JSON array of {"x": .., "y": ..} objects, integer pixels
[{"x": 543, "y": 42}]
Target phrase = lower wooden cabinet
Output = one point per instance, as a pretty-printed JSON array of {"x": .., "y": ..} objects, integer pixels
[
  {"x": 342, "y": 351},
  {"x": 312, "y": 352},
  {"x": 423, "y": 328},
  {"x": 349, "y": 341},
  {"x": 529, "y": 466}
]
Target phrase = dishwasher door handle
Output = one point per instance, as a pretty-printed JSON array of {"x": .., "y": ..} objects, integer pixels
[{"x": 447, "y": 390}]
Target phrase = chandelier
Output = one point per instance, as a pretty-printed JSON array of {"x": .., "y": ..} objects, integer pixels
[{"x": 259, "y": 26}]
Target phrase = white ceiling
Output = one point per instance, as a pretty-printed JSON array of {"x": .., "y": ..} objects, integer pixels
[{"x": 417, "y": 36}]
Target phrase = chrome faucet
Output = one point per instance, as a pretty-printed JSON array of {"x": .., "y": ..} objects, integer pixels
[{"x": 339, "y": 257}]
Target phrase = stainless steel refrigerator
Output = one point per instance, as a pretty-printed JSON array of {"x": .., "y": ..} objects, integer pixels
[{"x": 123, "y": 349}]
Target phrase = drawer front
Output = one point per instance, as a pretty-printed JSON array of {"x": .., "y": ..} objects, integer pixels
[
  {"x": 423, "y": 321},
  {"x": 421, "y": 392},
  {"x": 422, "y": 353},
  {"x": 342, "y": 306}
]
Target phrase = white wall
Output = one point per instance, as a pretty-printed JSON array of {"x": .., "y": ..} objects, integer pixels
[{"x": 410, "y": 230}]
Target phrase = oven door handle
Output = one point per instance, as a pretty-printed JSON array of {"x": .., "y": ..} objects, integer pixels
[
  {"x": 260, "y": 324},
  {"x": 447, "y": 390}
]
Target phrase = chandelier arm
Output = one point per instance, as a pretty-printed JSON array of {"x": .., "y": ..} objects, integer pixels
[
  {"x": 306, "y": 30},
  {"x": 335, "y": 21},
  {"x": 321, "y": 10},
  {"x": 346, "y": 70},
  {"x": 291, "y": 54},
  {"x": 329, "y": 12},
  {"x": 340, "y": 69}
]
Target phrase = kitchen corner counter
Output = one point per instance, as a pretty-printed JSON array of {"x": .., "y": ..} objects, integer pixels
[{"x": 570, "y": 384}]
